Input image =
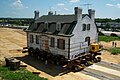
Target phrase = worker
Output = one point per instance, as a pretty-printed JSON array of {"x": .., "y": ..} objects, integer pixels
[
  {"x": 113, "y": 44},
  {"x": 46, "y": 63}
]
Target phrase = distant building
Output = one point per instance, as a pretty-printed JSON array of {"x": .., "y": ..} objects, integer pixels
[
  {"x": 65, "y": 35},
  {"x": 111, "y": 24}
]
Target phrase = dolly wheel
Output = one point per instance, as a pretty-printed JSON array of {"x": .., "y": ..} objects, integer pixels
[
  {"x": 91, "y": 63},
  {"x": 42, "y": 58},
  {"x": 86, "y": 64},
  {"x": 38, "y": 57},
  {"x": 98, "y": 59},
  {"x": 77, "y": 68},
  {"x": 57, "y": 63},
  {"x": 95, "y": 60}
]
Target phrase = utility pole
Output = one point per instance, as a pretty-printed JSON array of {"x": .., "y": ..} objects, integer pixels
[{"x": 87, "y": 5}]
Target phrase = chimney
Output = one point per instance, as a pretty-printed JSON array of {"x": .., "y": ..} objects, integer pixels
[
  {"x": 36, "y": 15},
  {"x": 50, "y": 13},
  {"x": 78, "y": 13},
  {"x": 92, "y": 14},
  {"x": 55, "y": 12}
]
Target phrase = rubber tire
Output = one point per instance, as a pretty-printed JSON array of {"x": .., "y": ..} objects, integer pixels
[
  {"x": 57, "y": 63},
  {"x": 76, "y": 68},
  {"x": 87, "y": 64},
  {"x": 98, "y": 59},
  {"x": 95, "y": 60},
  {"x": 38, "y": 57}
]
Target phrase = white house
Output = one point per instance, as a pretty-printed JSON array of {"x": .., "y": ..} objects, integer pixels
[{"x": 68, "y": 36}]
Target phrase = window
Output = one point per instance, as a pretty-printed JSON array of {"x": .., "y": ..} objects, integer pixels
[
  {"x": 58, "y": 26},
  {"x": 61, "y": 44},
  {"x": 46, "y": 25},
  {"x": 88, "y": 26},
  {"x": 93, "y": 48},
  {"x": 31, "y": 38},
  {"x": 83, "y": 27},
  {"x": 52, "y": 42},
  {"x": 37, "y": 39}
]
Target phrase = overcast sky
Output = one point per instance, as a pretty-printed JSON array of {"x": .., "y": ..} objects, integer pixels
[{"x": 25, "y": 8}]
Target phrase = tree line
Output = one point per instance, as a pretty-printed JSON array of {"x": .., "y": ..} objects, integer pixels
[
  {"x": 16, "y": 21},
  {"x": 104, "y": 20}
]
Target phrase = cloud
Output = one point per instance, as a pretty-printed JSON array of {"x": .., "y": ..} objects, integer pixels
[
  {"x": 61, "y": 4},
  {"x": 66, "y": 9},
  {"x": 109, "y": 4},
  {"x": 118, "y": 5},
  {"x": 18, "y": 4},
  {"x": 112, "y": 5},
  {"x": 73, "y": 1}
]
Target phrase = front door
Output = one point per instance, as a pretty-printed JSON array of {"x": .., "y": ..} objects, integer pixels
[{"x": 87, "y": 39}]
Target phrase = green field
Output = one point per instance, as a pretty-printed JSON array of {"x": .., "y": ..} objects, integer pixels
[
  {"x": 108, "y": 38},
  {"x": 21, "y": 74}
]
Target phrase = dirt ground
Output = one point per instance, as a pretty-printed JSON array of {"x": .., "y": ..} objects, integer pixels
[
  {"x": 12, "y": 42},
  {"x": 107, "y": 56}
]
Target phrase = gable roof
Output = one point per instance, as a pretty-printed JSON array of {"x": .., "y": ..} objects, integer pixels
[
  {"x": 68, "y": 24},
  {"x": 85, "y": 15}
]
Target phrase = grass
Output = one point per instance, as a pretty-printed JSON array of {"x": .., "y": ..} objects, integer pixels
[
  {"x": 107, "y": 38},
  {"x": 114, "y": 51},
  {"x": 21, "y": 74}
]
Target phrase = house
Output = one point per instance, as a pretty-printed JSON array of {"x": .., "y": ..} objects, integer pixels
[{"x": 68, "y": 36}]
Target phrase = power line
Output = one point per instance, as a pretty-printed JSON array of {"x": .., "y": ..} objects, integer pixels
[{"x": 87, "y": 5}]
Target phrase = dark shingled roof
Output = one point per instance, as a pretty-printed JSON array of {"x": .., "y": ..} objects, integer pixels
[
  {"x": 32, "y": 27},
  {"x": 56, "y": 18},
  {"x": 68, "y": 23}
]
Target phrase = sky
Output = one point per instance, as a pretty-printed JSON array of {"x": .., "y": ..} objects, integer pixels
[{"x": 26, "y": 8}]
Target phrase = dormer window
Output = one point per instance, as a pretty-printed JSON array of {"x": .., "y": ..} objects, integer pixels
[
  {"x": 83, "y": 27},
  {"x": 58, "y": 26},
  {"x": 46, "y": 25}
]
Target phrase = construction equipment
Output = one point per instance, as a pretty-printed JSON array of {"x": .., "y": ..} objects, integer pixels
[
  {"x": 82, "y": 61},
  {"x": 86, "y": 59}
]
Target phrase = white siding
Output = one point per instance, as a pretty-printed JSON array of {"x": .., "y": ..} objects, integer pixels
[
  {"x": 41, "y": 45},
  {"x": 79, "y": 37}
]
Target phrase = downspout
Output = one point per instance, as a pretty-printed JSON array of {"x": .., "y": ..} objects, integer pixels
[{"x": 69, "y": 49}]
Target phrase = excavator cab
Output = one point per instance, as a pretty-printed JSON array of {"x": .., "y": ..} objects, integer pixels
[{"x": 94, "y": 47}]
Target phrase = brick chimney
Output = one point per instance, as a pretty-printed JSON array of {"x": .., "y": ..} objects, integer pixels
[
  {"x": 36, "y": 15},
  {"x": 92, "y": 14},
  {"x": 50, "y": 13},
  {"x": 78, "y": 13}
]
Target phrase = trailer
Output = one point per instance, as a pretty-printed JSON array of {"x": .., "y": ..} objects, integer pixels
[{"x": 82, "y": 61}]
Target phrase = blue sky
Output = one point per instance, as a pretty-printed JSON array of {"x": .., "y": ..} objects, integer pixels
[{"x": 25, "y": 8}]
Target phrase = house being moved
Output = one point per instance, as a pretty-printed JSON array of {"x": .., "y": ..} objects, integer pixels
[{"x": 68, "y": 36}]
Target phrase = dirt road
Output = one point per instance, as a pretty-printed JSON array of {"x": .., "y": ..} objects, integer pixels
[{"x": 13, "y": 40}]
